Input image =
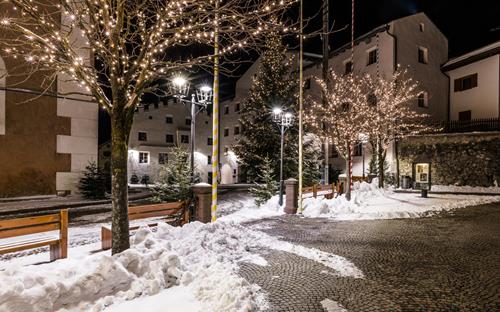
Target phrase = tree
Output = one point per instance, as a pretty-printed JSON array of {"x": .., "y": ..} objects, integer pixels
[
  {"x": 93, "y": 183},
  {"x": 341, "y": 117},
  {"x": 174, "y": 180},
  {"x": 272, "y": 86},
  {"x": 128, "y": 48},
  {"x": 268, "y": 187},
  {"x": 390, "y": 101},
  {"x": 312, "y": 159}
]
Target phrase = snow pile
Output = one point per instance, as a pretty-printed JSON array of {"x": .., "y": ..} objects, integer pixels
[
  {"x": 332, "y": 306},
  {"x": 466, "y": 189},
  {"x": 370, "y": 202},
  {"x": 197, "y": 260},
  {"x": 244, "y": 209}
]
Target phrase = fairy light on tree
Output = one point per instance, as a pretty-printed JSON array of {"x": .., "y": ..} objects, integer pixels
[{"x": 134, "y": 44}]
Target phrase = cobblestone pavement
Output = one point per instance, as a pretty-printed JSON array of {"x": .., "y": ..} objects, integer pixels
[{"x": 449, "y": 262}]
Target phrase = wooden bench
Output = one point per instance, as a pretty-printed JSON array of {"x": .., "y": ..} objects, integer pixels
[
  {"x": 175, "y": 213},
  {"x": 32, "y": 225}
]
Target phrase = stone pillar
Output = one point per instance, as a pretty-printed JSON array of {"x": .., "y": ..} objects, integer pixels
[
  {"x": 292, "y": 196},
  {"x": 202, "y": 196}
]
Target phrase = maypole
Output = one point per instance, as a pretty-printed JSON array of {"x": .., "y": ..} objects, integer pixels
[
  {"x": 215, "y": 114},
  {"x": 301, "y": 95}
]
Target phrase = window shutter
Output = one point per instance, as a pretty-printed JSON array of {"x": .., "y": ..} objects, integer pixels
[
  {"x": 457, "y": 85},
  {"x": 474, "y": 80}
]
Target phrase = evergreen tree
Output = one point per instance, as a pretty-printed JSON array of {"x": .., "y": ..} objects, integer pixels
[
  {"x": 92, "y": 184},
  {"x": 312, "y": 159},
  {"x": 272, "y": 86},
  {"x": 174, "y": 179},
  {"x": 269, "y": 185}
]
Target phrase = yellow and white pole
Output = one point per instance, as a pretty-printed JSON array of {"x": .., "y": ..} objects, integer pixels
[
  {"x": 215, "y": 116},
  {"x": 301, "y": 100}
]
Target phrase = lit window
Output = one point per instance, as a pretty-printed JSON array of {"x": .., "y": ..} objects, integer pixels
[
  {"x": 162, "y": 158},
  {"x": 144, "y": 157},
  {"x": 142, "y": 136}
]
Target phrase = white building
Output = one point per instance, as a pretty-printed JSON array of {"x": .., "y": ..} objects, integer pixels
[
  {"x": 475, "y": 84},
  {"x": 412, "y": 42}
]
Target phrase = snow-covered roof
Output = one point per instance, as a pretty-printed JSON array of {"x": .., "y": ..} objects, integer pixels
[{"x": 473, "y": 56}]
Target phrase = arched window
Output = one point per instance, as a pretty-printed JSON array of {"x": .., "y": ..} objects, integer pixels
[{"x": 423, "y": 99}]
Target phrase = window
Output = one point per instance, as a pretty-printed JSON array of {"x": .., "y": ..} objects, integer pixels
[
  {"x": 184, "y": 138},
  {"x": 348, "y": 67},
  {"x": 169, "y": 139},
  {"x": 226, "y": 109},
  {"x": 142, "y": 136},
  {"x": 465, "y": 115},
  {"x": 236, "y": 130},
  {"x": 465, "y": 83},
  {"x": 422, "y": 99},
  {"x": 237, "y": 107},
  {"x": 209, "y": 177},
  {"x": 169, "y": 119},
  {"x": 210, "y": 141},
  {"x": 209, "y": 160},
  {"x": 226, "y": 150},
  {"x": 155, "y": 105},
  {"x": 150, "y": 117},
  {"x": 421, "y": 27},
  {"x": 372, "y": 56},
  {"x": 162, "y": 158},
  {"x": 307, "y": 84},
  {"x": 371, "y": 99},
  {"x": 226, "y": 132},
  {"x": 188, "y": 121},
  {"x": 358, "y": 150},
  {"x": 423, "y": 55},
  {"x": 146, "y": 107},
  {"x": 144, "y": 157}
]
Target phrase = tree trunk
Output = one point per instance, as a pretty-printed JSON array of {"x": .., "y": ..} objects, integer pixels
[
  {"x": 348, "y": 170},
  {"x": 121, "y": 122},
  {"x": 381, "y": 160}
]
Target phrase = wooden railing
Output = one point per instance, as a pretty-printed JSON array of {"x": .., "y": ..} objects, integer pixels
[{"x": 329, "y": 191}]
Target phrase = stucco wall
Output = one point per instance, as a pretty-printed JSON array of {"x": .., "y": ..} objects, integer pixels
[
  {"x": 456, "y": 159},
  {"x": 483, "y": 100}
]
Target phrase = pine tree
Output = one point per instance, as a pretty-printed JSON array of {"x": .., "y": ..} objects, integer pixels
[
  {"x": 174, "y": 180},
  {"x": 273, "y": 86},
  {"x": 269, "y": 185},
  {"x": 312, "y": 159},
  {"x": 92, "y": 184}
]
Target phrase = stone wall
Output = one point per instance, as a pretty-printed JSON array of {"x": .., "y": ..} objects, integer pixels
[{"x": 456, "y": 159}]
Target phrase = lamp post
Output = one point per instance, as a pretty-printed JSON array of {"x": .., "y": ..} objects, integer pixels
[
  {"x": 201, "y": 98},
  {"x": 283, "y": 120},
  {"x": 363, "y": 138}
]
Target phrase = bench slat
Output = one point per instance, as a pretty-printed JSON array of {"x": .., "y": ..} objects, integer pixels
[
  {"x": 152, "y": 214},
  {"x": 156, "y": 207},
  {"x": 29, "y": 244},
  {"x": 29, "y": 230},
  {"x": 23, "y": 222}
]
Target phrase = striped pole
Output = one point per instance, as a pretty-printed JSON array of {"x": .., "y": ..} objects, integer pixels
[
  {"x": 215, "y": 116},
  {"x": 351, "y": 154},
  {"x": 301, "y": 96}
]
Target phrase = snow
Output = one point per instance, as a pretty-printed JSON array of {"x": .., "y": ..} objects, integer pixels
[
  {"x": 332, "y": 306},
  {"x": 370, "y": 202},
  {"x": 196, "y": 264},
  {"x": 242, "y": 208}
]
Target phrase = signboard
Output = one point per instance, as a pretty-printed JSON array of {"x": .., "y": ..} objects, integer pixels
[{"x": 422, "y": 176}]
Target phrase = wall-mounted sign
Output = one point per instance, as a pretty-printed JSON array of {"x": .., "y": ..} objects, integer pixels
[{"x": 422, "y": 173}]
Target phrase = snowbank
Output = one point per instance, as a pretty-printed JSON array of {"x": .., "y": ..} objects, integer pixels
[
  {"x": 370, "y": 202},
  {"x": 466, "y": 189},
  {"x": 198, "y": 262},
  {"x": 243, "y": 208}
]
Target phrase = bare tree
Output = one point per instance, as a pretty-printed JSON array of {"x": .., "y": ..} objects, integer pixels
[
  {"x": 341, "y": 117},
  {"x": 390, "y": 100},
  {"x": 118, "y": 50}
]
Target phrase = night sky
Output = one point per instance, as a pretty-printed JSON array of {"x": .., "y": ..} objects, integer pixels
[{"x": 468, "y": 25}]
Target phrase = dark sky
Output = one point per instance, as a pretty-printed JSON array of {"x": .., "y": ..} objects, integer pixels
[{"x": 467, "y": 25}]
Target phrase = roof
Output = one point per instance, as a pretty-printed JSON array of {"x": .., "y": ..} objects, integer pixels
[{"x": 473, "y": 56}]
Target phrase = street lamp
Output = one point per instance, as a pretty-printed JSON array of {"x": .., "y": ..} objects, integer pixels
[
  {"x": 179, "y": 87},
  {"x": 363, "y": 138},
  {"x": 283, "y": 120}
]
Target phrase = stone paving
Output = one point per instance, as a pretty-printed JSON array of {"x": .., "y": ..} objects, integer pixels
[{"x": 449, "y": 262}]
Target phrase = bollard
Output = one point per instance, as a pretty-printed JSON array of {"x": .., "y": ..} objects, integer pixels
[
  {"x": 202, "y": 193},
  {"x": 292, "y": 196}
]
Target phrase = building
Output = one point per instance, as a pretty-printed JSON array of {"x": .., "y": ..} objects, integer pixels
[
  {"x": 411, "y": 42},
  {"x": 475, "y": 84},
  {"x": 46, "y": 140}
]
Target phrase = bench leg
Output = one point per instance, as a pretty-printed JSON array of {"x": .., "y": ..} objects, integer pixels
[
  {"x": 105, "y": 238},
  {"x": 55, "y": 252}
]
